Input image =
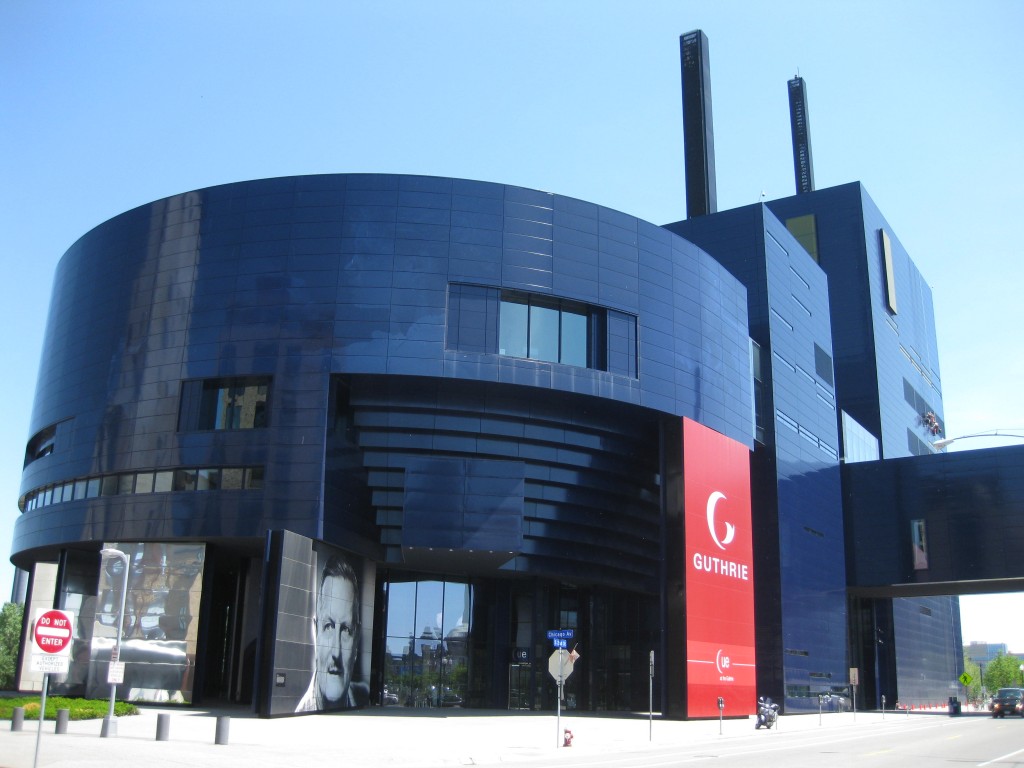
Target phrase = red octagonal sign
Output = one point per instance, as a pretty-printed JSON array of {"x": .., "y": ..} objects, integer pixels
[{"x": 53, "y": 631}]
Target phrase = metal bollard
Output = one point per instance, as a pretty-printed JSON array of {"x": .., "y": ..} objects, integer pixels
[
  {"x": 163, "y": 727},
  {"x": 223, "y": 724},
  {"x": 62, "y": 720},
  {"x": 17, "y": 718}
]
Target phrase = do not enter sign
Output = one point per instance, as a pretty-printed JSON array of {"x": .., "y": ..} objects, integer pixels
[{"x": 52, "y": 635}]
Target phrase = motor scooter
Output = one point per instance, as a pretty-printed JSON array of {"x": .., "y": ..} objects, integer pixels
[{"x": 767, "y": 712}]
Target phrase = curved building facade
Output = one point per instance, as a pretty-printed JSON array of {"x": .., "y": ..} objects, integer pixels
[{"x": 473, "y": 396}]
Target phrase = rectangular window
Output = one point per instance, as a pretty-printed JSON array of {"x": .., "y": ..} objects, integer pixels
[
  {"x": 513, "y": 325},
  {"x": 184, "y": 479},
  {"x": 231, "y": 478},
  {"x": 208, "y": 480},
  {"x": 544, "y": 328},
  {"x": 805, "y": 230},
  {"x": 221, "y": 404},
  {"x": 823, "y": 365},
  {"x": 540, "y": 328},
  {"x": 544, "y": 333},
  {"x": 254, "y": 478},
  {"x": 920, "y": 541},
  {"x": 758, "y": 404},
  {"x": 573, "y": 341},
  {"x": 144, "y": 482},
  {"x": 887, "y": 268},
  {"x": 126, "y": 483},
  {"x": 163, "y": 482}
]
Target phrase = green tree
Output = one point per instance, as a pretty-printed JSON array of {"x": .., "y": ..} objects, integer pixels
[
  {"x": 10, "y": 639},
  {"x": 1002, "y": 672},
  {"x": 974, "y": 692}
]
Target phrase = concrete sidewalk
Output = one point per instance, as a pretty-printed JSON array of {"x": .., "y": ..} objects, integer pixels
[{"x": 397, "y": 738}]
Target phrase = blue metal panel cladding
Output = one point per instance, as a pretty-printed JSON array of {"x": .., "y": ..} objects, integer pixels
[
  {"x": 308, "y": 280},
  {"x": 799, "y": 547}
]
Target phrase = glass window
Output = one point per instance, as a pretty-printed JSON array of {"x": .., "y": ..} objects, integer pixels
[
  {"x": 427, "y": 661},
  {"x": 233, "y": 404},
  {"x": 163, "y": 482},
  {"x": 401, "y": 612},
  {"x": 513, "y": 320},
  {"x": 93, "y": 488},
  {"x": 231, "y": 478},
  {"x": 144, "y": 482},
  {"x": 126, "y": 483},
  {"x": 184, "y": 479},
  {"x": 543, "y": 328},
  {"x": 917, "y": 529},
  {"x": 544, "y": 334},
  {"x": 47, "y": 497},
  {"x": 208, "y": 480},
  {"x": 80, "y": 486},
  {"x": 805, "y": 230},
  {"x": 574, "y": 339},
  {"x": 108, "y": 485},
  {"x": 254, "y": 477},
  {"x": 41, "y": 444},
  {"x": 429, "y": 609}
]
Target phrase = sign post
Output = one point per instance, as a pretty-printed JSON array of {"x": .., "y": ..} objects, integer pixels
[
  {"x": 854, "y": 681},
  {"x": 650, "y": 700},
  {"x": 560, "y": 666},
  {"x": 52, "y": 633}
]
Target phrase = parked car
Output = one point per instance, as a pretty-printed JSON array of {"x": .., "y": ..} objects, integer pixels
[
  {"x": 450, "y": 699},
  {"x": 1008, "y": 701}
]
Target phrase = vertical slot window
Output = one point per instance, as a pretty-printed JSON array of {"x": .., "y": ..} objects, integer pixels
[{"x": 920, "y": 540}]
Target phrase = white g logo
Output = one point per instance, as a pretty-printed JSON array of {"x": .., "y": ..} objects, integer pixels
[{"x": 730, "y": 529}]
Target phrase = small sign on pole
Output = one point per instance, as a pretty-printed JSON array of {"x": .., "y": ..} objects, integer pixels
[{"x": 52, "y": 634}]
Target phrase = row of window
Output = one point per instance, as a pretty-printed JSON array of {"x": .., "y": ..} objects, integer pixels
[
  {"x": 489, "y": 320},
  {"x": 152, "y": 481}
]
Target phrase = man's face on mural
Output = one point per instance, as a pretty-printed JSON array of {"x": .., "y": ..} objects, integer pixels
[{"x": 336, "y": 639}]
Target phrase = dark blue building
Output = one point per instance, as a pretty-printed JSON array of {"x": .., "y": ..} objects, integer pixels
[{"x": 475, "y": 397}]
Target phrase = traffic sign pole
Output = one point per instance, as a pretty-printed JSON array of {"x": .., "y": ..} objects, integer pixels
[
  {"x": 42, "y": 716},
  {"x": 52, "y": 634}
]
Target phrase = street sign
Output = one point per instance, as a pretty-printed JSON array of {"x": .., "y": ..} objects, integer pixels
[
  {"x": 559, "y": 643},
  {"x": 966, "y": 679},
  {"x": 560, "y": 665},
  {"x": 52, "y": 634},
  {"x": 560, "y": 634}
]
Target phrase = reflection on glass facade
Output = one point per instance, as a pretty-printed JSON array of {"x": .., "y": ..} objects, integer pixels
[
  {"x": 161, "y": 621},
  {"x": 428, "y": 631}
]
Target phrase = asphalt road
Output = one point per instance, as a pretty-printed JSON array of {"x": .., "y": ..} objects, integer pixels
[
  {"x": 896, "y": 742},
  {"x": 395, "y": 738}
]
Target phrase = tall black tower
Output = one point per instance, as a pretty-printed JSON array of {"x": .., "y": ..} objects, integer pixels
[
  {"x": 800, "y": 124},
  {"x": 698, "y": 132}
]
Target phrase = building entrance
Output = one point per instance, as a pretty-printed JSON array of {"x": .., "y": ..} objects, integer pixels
[{"x": 519, "y": 685}]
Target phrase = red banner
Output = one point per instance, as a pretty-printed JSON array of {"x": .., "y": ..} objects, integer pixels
[{"x": 719, "y": 574}]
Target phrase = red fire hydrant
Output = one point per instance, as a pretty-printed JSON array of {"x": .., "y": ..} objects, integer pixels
[{"x": 567, "y": 738}]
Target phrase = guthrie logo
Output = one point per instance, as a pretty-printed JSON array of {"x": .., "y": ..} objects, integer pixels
[{"x": 718, "y": 565}]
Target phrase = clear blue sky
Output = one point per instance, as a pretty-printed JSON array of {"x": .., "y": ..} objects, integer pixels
[{"x": 108, "y": 105}]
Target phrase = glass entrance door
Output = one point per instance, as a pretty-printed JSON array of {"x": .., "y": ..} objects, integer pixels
[{"x": 519, "y": 686}]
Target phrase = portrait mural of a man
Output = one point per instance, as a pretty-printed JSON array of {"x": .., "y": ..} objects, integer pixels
[{"x": 336, "y": 627}]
